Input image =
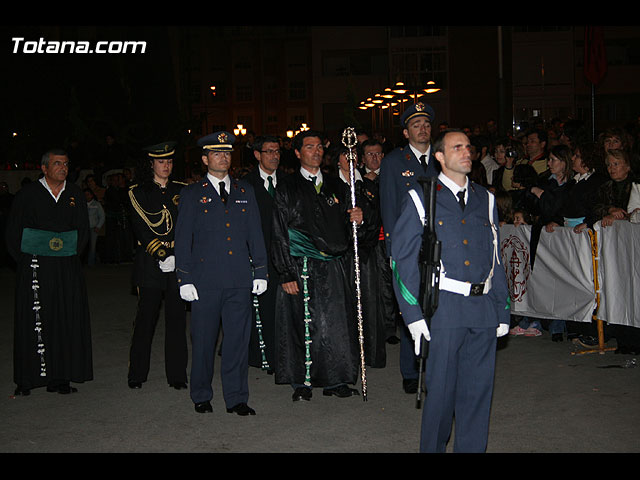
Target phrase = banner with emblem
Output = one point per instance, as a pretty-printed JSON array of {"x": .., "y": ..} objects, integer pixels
[
  {"x": 619, "y": 273},
  {"x": 561, "y": 284}
]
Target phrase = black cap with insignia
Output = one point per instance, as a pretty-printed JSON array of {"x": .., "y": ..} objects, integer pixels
[{"x": 161, "y": 150}]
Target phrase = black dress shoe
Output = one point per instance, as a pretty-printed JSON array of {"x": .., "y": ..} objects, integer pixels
[
  {"x": 64, "y": 389},
  {"x": 393, "y": 340},
  {"x": 341, "y": 391},
  {"x": 241, "y": 409},
  {"x": 135, "y": 384},
  {"x": 22, "y": 391},
  {"x": 410, "y": 385},
  {"x": 178, "y": 385},
  {"x": 302, "y": 393},
  {"x": 557, "y": 337},
  {"x": 204, "y": 407}
]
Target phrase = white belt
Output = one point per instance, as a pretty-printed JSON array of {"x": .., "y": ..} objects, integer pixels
[{"x": 464, "y": 288}]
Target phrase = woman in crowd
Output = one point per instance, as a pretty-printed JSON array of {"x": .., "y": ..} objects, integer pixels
[
  {"x": 551, "y": 192},
  {"x": 612, "y": 198},
  {"x": 586, "y": 181}
]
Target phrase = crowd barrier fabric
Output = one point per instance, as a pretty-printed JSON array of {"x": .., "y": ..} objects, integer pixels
[
  {"x": 560, "y": 285},
  {"x": 619, "y": 273}
]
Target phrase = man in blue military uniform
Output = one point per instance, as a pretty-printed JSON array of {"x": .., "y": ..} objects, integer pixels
[
  {"x": 473, "y": 307},
  {"x": 399, "y": 173},
  {"x": 154, "y": 201},
  {"x": 220, "y": 261}
]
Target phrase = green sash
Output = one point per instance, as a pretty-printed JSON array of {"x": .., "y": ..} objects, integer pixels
[
  {"x": 50, "y": 244},
  {"x": 301, "y": 246}
]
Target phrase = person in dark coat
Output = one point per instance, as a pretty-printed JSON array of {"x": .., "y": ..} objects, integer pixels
[
  {"x": 399, "y": 172},
  {"x": 316, "y": 331},
  {"x": 264, "y": 179},
  {"x": 221, "y": 261},
  {"x": 154, "y": 211},
  {"x": 47, "y": 231},
  {"x": 473, "y": 308}
]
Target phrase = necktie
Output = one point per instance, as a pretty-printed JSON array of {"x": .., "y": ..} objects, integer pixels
[
  {"x": 461, "y": 198},
  {"x": 223, "y": 193},
  {"x": 271, "y": 189},
  {"x": 313, "y": 180},
  {"x": 423, "y": 162}
]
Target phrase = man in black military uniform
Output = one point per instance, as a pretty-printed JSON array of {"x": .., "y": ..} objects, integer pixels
[{"x": 154, "y": 201}]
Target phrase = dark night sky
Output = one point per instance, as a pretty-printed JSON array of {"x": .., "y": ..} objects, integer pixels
[{"x": 49, "y": 98}]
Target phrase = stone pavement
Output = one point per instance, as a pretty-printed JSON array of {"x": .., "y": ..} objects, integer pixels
[{"x": 546, "y": 400}]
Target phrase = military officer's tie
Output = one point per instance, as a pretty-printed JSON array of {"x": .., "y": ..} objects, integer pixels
[
  {"x": 223, "y": 193},
  {"x": 423, "y": 162},
  {"x": 461, "y": 198},
  {"x": 271, "y": 189}
]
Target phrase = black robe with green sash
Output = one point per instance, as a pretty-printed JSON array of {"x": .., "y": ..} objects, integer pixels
[
  {"x": 52, "y": 334},
  {"x": 311, "y": 239}
]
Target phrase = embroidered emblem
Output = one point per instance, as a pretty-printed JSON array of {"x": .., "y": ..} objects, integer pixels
[
  {"x": 419, "y": 106},
  {"x": 439, "y": 187},
  {"x": 56, "y": 244},
  {"x": 222, "y": 138}
]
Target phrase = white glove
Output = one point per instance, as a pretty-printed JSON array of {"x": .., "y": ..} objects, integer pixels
[
  {"x": 418, "y": 330},
  {"x": 188, "y": 292},
  {"x": 259, "y": 286},
  {"x": 168, "y": 264},
  {"x": 502, "y": 329}
]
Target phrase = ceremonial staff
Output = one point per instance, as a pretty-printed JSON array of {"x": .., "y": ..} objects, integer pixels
[{"x": 349, "y": 140}]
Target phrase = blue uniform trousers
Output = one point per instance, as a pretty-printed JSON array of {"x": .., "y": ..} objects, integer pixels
[
  {"x": 231, "y": 308},
  {"x": 459, "y": 379}
]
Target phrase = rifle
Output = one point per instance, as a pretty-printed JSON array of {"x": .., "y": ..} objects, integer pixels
[{"x": 429, "y": 264}]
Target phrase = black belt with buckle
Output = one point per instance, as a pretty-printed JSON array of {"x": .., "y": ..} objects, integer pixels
[{"x": 477, "y": 289}]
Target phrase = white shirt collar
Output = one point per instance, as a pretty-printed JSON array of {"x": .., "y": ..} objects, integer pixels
[
  {"x": 216, "y": 182},
  {"x": 453, "y": 186},
  {"x": 306, "y": 174},
  {"x": 418, "y": 153},
  {"x": 46, "y": 185},
  {"x": 265, "y": 176},
  {"x": 582, "y": 176}
]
